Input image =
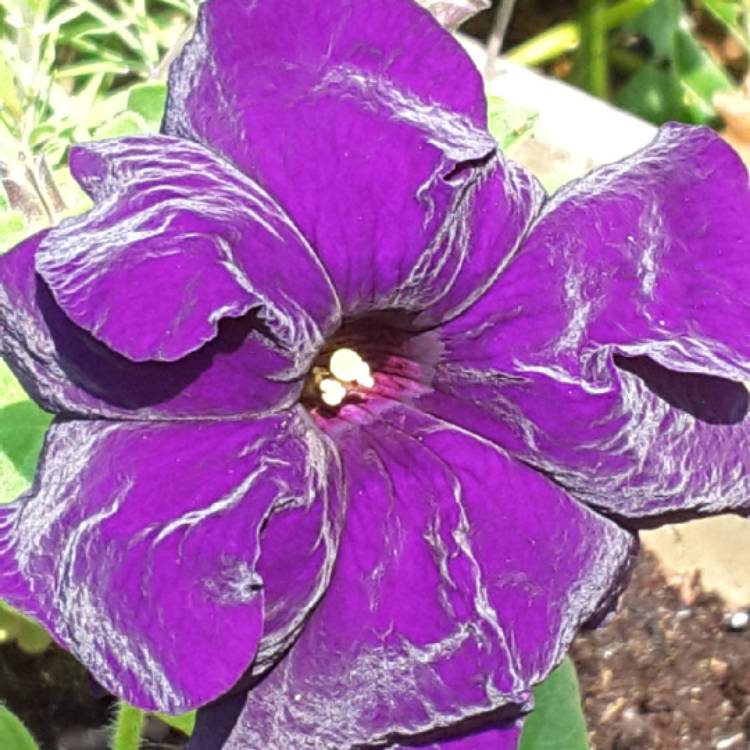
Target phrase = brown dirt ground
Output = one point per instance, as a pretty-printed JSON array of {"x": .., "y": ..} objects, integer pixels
[{"x": 666, "y": 673}]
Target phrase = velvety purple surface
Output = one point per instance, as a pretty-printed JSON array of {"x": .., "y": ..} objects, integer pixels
[
  {"x": 166, "y": 214},
  {"x": 399, "y": 571},
  {"x": 451, "y": 595},
  {"x": 368, "y": 126},
  {"x": 216, "y": 721},
  {"x": 495, "y": 737},
  {"x": 117, "y": 552},
  {"x": 646, "y": 258},
  {"x": 68, "y": 371}
]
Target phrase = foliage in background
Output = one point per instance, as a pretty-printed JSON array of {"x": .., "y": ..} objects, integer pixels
[
  {"x": 646, "y": 55},
  {"x": 508, "y": 122},
  {"x": 678, "y": 78},
  {"x": 557, "y": 722},
  {"x": 71, "y": 71},
  {"x": 13, "y": 734}
]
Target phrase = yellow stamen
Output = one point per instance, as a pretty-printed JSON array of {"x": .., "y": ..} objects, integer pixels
[
  {"x": 345, "y": 364},
  {"x": 345, "y": 367},
  {"x": 364, "y": 376},
  {"x": 332, "y": 391}
]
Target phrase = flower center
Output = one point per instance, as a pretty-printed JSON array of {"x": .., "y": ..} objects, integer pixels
[
  {"x": 371, "y": 360},
  {"x": 346, "y": 370},
  {"x": 337, "y": 375}
]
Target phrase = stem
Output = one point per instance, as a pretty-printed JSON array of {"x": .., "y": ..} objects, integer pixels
[
  {"x": 34, "y": 182},
  {"x": 128, "y": 727},
  {"x": 497, "y": 34},
  {"x": 566, "y": 36},
  {"x": 592, "y": 68}
]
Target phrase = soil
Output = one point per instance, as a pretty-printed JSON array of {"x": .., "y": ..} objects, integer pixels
[{"x": 667, "y": 673}]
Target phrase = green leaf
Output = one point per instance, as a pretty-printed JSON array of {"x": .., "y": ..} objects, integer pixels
[
  {"x": 14, "y": 228},
  {"x": 92, "y": 67},
  {"x": 38, "y": 8},
  {"x": 10, "y": 388},
  {"x": 652, "y": 94},
  {"x": 557, "y": 722},
  {"x": 111, "y": 23},
  {"x": 507, "y": 122},
  {"x": 148, "y": 100},
  {"x": 188, "y": 7},
  {"x": 58, "y": 20},
  {"x": 13, "y": 734},
  {"x": 126, "y": 123},
  {"x": 681, "y": 78},
  {"x": 22, "y": 428},
  {"x": 184, "y": 723},
  {"x": 9, "y": 98},
  {"x": 701, "y": 76},
  {"x": 32, "y": 638},
  {"x": 10, "y": 622},
  {"x": 730, "y": 13}
]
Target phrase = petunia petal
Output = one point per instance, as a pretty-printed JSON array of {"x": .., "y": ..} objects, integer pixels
[
  {"x": 472, "y": 735},
  {"x": 178, "y": 240},
  {"x": 367, "y": 123},
  {"x": 140, "y": 546},
  {"x": 497, "y": 736},
  {"x": 442, "y": 606},
  {"x": 66, "y": 370},
  {"x": 610, "y": 351},
  {"x": 215, "y": 722}
]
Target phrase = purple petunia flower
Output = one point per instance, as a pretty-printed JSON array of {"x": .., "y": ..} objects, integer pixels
[{"x": 345, "y": 405}]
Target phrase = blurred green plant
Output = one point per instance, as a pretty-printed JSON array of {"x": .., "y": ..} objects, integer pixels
[
  {"x": 30, "y": 637},
  {"x": 13, "y": 734},
  {"x": 678, "y": 78},
  {"x": 71, "y": 71},
  {"x": 130, "y": 722},
  {"x": 507, "y": 122},
  {"x": 733, "y": 14},
  {"x": 645, "y": 54},
  {"x": 22, "y": 428},
  {"x": 557, "y": 721},
  {"x": 184, "y": 723}
]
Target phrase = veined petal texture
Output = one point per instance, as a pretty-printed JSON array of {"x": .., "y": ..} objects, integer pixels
[
  {"x": 443, "y": 606},
  {"x": 151, "y": 549},
  {"x": 178, "y": 240},
  {"x": 66, "y": 370},
  {"x": 610, "y": 352},
  {"x": 367, "y": 123}
]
